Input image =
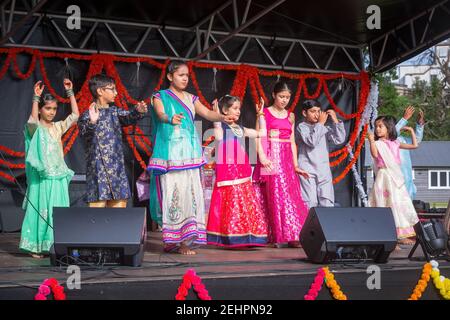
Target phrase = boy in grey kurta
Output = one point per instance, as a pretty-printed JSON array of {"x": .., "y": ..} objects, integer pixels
[{"x": 317, "y": 190}]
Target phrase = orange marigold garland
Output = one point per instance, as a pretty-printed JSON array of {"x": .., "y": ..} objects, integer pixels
[
  {"x": 422, "y": 284},
  {"x": 332, "y": 284}
]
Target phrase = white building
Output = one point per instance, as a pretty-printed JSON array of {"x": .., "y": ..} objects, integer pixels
[{"x": 424, "y": 66}]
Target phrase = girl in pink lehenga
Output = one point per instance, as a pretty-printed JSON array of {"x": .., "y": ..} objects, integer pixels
[
  {"x": 236, "y": 218},
  {"x": 275, "y": 177}
]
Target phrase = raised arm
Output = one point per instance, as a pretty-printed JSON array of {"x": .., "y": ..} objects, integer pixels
[
  {"x": 407, "y": 114},
  {"x": 420, "y": 126},
  {"x": 312, "y": 137},
  {"x": 414, "y": 143},
  {"x": 336, "y": 134},
  {"x": 38, "y": 89},
  {"x": 128, "y": 118},
  {"x": 262, "y": 129},
  {"x": 218, "y": 131},
  {"x": 88, "y": 120},
  {"x": 373, "y": 147},
  {"x": 260, "y": 150},
  {"x": 73, "y": 102},
  {"x": 204, "y": 112}
]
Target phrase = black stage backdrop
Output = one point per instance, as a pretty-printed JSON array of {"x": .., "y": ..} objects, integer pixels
[{"x": 16, "y": 94}]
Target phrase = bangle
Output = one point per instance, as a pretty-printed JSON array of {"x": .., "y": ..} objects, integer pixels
[
  {"x": 69, "y": 93},
  {"x": 36, "y": 98},
  {"x": 165, "y": 118}
]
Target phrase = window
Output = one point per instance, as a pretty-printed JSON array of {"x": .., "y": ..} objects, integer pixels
[
  {"x": 442, "y": 52},
  {"x": 439, "y": 179}
]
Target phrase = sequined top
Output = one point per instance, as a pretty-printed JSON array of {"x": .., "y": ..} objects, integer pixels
[
  {"x": 232, "y": 160},
  {"x": 276, "y": 127},
  {"x": 105, "y": 170}
]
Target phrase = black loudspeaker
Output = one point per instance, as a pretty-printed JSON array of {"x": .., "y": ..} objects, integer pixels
[
  {"x": 348, "y": 234},
  {"x": 432, "y": 238},
  {"x": 98, "y": 236},
  {"x": 11, "y": 212}
]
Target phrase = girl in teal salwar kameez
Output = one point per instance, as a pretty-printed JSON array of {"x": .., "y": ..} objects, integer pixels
[{"x": 47, "y": 174}]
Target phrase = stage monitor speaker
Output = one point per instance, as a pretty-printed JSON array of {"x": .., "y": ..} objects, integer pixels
[
  {"x": 349, "y": 234},
  {"x": 98, "y": 236},
  {"x": 11, "y": 212}
]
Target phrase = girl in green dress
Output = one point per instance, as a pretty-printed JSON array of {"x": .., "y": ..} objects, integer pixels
[{"x": 47, "y": 174}]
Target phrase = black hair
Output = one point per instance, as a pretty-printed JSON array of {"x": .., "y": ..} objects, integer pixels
[
  {"x": 174, "y": 66},
  {"x": 281, "y": 86},
  {"x": 389, "y": 122},
  {"x": 308, "y": 104},
  {"x": 227, "y": 101},
  {"x": 99, "y": 81},
  {"x": 47, "y": 98}
]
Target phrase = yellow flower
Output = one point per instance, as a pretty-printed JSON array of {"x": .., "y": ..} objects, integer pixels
[{"x": 439, "y": 285}]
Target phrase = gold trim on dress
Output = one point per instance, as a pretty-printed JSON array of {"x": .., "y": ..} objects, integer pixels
[
  {"x": 279, "y": 140},
  {"x": 233, "y": 182}
]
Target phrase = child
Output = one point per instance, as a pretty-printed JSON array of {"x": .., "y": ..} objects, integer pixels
[
  {"x": 106, "y": 180},
  {"x": 47, "y": 174},
  {"x": 389, "y": 187},
  {"x": 176, "y": 195},
  {"x": 317, "y": 190},
  {"x": 405, "y": 157},
  {"x": 275, "y": 175},
  {"x": 236, "y": 218}
]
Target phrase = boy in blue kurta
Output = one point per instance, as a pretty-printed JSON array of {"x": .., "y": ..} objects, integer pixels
[{"x": 100, "y": 126}]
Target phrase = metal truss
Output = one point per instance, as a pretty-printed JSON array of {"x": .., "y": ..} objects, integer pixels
[
  {"x": 410, "y": 37},
  {"x": 211, "y": 39}
]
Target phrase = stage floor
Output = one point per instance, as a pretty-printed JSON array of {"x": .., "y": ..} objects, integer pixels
[{"x": 219, "y": 268}]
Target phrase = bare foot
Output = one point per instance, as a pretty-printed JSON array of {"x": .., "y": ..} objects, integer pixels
[
  {"x": 37, "y": 256},
  {"x": 185, "y": 250},
  {"x": 406, "y": 241},
  {"x": 275, "y": 245},
  {"x": 294, "y": 244},
  {"x": 398, "y": 248}
]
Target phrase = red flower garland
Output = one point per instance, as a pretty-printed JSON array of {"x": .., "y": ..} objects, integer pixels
[
  {"x": 7, "y": 177},
  {"x": 190, "y": 279},
  {"x": 297, "y": 95},
  {"x": 12, "y": 165},
  {"x": 355, "y": 158},
  {"x": 245, "y": 75},
  {"x": 194, "y": 80},
  {"x": 5, "y": 66},
  {"x": 49, "y": 286},
  {"x": 316, "y": 286},
  {"x": 12, "y": 152},
  {"x": 19, "y": 73}
]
